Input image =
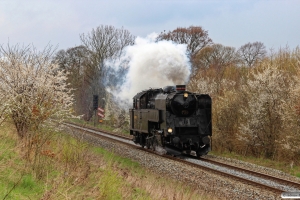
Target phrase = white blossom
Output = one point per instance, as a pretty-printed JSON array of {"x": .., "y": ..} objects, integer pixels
[
  {"x": 32, "y": 88},
  {"x": 268, "y": 92}
]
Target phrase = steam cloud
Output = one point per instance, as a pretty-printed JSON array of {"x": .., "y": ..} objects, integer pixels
[{"x": 153, "y": 65}]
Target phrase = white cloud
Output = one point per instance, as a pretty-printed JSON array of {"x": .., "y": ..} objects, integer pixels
[{"x": 231, "y": 23}]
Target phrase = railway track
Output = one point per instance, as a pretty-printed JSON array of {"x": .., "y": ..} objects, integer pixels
[
  {"x": 259, "y": 175},
  {"x": 248, "y": 177}
]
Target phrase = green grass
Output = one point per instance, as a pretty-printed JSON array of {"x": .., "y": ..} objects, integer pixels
[
  {"x": 109, "y": 185},
  {"x": 112, "y": 187},
  {"x": 105, "y": 125},
  {"x": 15, "y": 181},
  {"x": 122, "y": 162},
  {"x": 24, "y": 188},
  {"x": 140, "y": 194}
]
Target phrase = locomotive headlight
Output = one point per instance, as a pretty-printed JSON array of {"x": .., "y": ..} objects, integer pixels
[
  {"x": 185, "y": 95},
  {"x": 170, "y": 130}
]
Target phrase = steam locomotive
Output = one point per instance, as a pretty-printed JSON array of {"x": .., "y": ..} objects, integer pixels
[{"x": 172, "y": 120}]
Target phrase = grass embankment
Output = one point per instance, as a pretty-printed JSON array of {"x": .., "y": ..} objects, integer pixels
[{"x": 68, "y": 168}]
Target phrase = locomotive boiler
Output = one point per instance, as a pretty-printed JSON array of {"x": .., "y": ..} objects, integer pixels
[{"x": 172, "y": 119}]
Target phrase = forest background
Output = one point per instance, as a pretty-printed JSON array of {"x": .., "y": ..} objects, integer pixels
[{"x": 255, "y": 91}]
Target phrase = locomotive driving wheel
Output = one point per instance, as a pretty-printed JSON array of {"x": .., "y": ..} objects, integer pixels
[
  {"x": 148, "y": 142},
  {"x": 154, "y": 143},
  {"x": 151, "y": 142}
]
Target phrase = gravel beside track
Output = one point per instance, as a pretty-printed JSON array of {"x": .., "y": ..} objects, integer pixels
[
  {"x": 210, "y": 183},
  {"x": 253, "y": 167},
  {"x": 248, "y": 176}
]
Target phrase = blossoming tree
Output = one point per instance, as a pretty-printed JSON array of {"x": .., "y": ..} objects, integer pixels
[{"x": 33, "y": 89}]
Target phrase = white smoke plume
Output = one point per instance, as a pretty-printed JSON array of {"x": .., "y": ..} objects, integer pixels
[{"x": 153, "y": 65}]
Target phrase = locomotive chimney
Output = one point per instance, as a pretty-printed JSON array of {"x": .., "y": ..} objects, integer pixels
[{"x": 180, "y": 88}]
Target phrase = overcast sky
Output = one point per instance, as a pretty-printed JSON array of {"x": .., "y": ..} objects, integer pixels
[{"x": 228, "y": 22}]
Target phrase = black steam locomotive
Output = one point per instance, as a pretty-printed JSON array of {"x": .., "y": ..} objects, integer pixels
[{"x": 172, "y": 119}]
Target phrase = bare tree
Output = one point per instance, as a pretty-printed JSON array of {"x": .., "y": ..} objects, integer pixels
[
  {"x": 195, "y": 37},
  {"x": 214, "y": 59},
  {"x": 77, "y": 63},
  {"x": 215, "y": 55},
  {"x": 104, "y": 42},
  {"x": 107, "y": 42},
  {"x": 251, "y": 53}
]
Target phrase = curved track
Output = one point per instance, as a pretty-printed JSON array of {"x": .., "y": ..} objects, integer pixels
[{"x": 263, "y": 181}]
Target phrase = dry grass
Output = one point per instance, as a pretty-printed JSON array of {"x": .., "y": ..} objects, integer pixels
[
  {"x": 71, "y": 169},
  {"x": 138, "y": 183}
]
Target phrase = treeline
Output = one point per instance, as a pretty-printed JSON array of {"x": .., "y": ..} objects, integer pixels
[
  {"x": 87, "y": 73},
  {"x": 256, "y": 105}
]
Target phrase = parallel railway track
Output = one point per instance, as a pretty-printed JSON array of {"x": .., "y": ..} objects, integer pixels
[{"x": 270, "y": 183}]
